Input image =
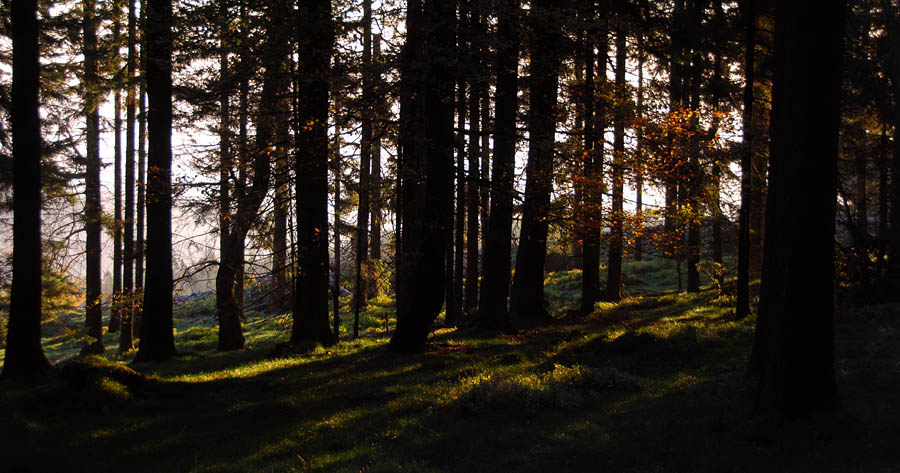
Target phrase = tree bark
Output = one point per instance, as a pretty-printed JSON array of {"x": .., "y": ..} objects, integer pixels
[
  {"x": 426, "y": 135},
  {"x": 316, "y": 39},
  {"x": 798, "y": 376},
  {"x": 528, "y": 307},
  {"x": 126, "y": 331},
  {"x": 742, "y": 309},
  {"x": 472, "y": 197},
  {"x": 378, "y": 130},
  {"x": 639, "y": 156},
  {"x": 24, "y": 354},
  {"x": 497, "y": 257},
  {"x": 141, "y": 183},
  {"x": 92, "y": 205},
  {"x": 116, "y": 300},
  {"x": 614, "y": 266},
  {"x": 594, "y": 143},
  {"x": 338, "y": 163},
  {"x": 157, "y": 338}
]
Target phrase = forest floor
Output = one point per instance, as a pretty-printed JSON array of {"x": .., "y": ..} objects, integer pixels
[{"x": 655, "y": 383}]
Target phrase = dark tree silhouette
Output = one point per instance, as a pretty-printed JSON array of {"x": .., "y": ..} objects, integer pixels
[
  {"x": 527, "y": 305},
  {"x": 316, "y": 39},
  {"x": 795, "y": 330},
  {"x": 126, "y": 334},
  {"x": 92, "y": 206},
  {"x": 157, "y": 338},
  {"x": 748, "y": 14},
  {"x": 493, "y": 313},
  {"x": 24, "y": 354},
  {"x": 427, "y": 140},
  {"x": 617, "y": 216}
]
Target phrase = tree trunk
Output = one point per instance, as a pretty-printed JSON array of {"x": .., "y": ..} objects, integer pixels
[
  {"x": 141, "y": 184},
  {"x": 426, "y": 135},
  {"x": 455, "y": 293},
  {"x": 798, "y": 375},
  {"x": 126, "y": 333},
  {"x": 694, "y": 181},
  {"x": 528, "y": 307},
  {"x": 593, "y": 173},
  {"x": 614, "y": 266},
  {"x": 639, "y": 156},
  {"x": 497, "y": 257},
  {"x": 472, "y": 197},
  {"x": 116, "y": 300},
  {"x": 24, "y": 354},
  {"x": 338, "y": 162},
  {"x": 590, "y": 275},
  {"x": 157, "y": 339},
  {"x": 316, "y": 40},
  {"x": 360, "y": 288},
  {"x": 92, "y": 205},
  {"x": 378, "y": 130},
  {"x": 742, "y": 309}
]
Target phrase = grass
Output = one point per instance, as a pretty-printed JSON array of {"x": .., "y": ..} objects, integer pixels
[{"x": 652, "y": 384}]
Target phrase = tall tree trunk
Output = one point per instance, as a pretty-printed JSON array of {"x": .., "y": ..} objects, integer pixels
[
  {"x": 718, "y": 93},
  {"x": 378, "y": 130},
  {"x": 676, "y": 103},
  {"x": 280, "y": 297},
  {"x": 639, "y": 155},
  {"x": 528, "y": 307},
  {"x": 141, "y": 183},
  {"x": 24, "y": 354},
  {"x": 472, "y": 196},
  {"x": 742, "y": 309},
  {"x": 592, "y": 196},
  {"x": 426, "y": 135},
  {"x": 316, "y": 39},
  {"x": 614, "y": 266},
  {"x": 365, "y": 161},
  {"x": 484, "y": 185},
  {"x": 594, "y": 188},
  {"x": 336, "y": 226},
  {"x": 157, "y": 339},
  {"x": 497, "y": 258},
  {"x": 799, "y": 377},
  {"x": 126, "y": 333},
  {"x": 694, "y": 181},
  {"x": 250, "y": 192},
  {"x": 455, "y": 287},
  {"x": 116, "y": 301},
  {"x": 92, "y": 205}
]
